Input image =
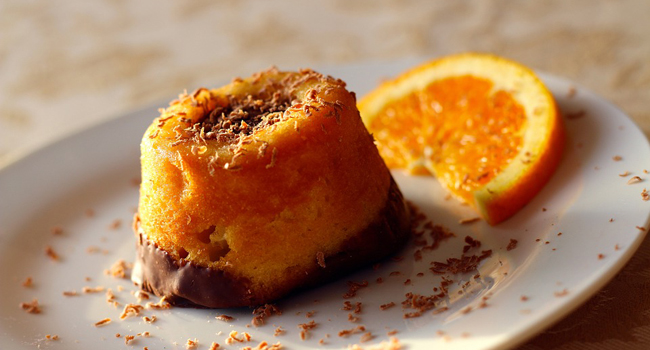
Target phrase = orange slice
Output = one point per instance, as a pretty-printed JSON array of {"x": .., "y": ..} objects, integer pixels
[{"x": 486, "y": 127}]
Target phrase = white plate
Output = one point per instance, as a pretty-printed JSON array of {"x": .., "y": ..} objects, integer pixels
[{"x": 95, "y": 169}]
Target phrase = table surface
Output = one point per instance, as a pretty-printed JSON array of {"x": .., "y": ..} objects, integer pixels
[{"x": 67, "y": 65}]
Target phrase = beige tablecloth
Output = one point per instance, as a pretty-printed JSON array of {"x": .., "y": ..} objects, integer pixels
[{"x": 66, "y": 65}]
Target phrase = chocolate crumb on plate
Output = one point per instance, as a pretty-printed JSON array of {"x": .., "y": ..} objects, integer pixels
[
  {"x": 353, "y": 287},
  {"x": 263, "y": 312},
  {"x": 162, "y": 304},
  {"x": 28, "y": 282},
  {"x": 234, "y": 338},
  {"x": 634, "y": 179},
  {"x": 31, "y": 307},
  {"x": 224, "y": 318},
  {"x": 49, "y": 251},
  {"x": 119, "y": 269},
  {"x": 366, "y": 337},
  {"x": 357, "y": 307},
  {"x": 128, "y": 339},
  {"x": 305, "y": 328},
  {"x": 348, "y": 332},
  {"x": 278, "y": 331},
  {"x": 353, "y": 318},
  {"x": 191, "y": 343},
  {"x": 347, "y": 306},
  {"x": 110, "y": 296},
  {"x": 104, "y": 322},
  {"x": 131, "y": 310},
  {"x": 462, "y": 265},
  {"x": 512, "y": 245},
  {"x": 470, "y": 243},
  {"x": 89, "y": 290}
]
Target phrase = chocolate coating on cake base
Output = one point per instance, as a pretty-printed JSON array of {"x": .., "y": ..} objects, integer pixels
[{"x": 186, "y": 284}]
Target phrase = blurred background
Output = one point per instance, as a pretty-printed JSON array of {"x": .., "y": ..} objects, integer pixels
[{"x": 67, "y": 65}]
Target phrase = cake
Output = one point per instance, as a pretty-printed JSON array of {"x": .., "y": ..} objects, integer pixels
[{"x": 262, "y": 187}]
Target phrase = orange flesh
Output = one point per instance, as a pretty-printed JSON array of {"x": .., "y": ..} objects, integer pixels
[{"x": 472, "y": 131}]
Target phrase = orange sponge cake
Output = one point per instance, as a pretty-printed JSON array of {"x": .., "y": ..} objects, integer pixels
[{"x": 261, "y": 187}]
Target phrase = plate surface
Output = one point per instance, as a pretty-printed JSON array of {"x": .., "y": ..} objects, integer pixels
[{"x": 571, "y": 239}]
